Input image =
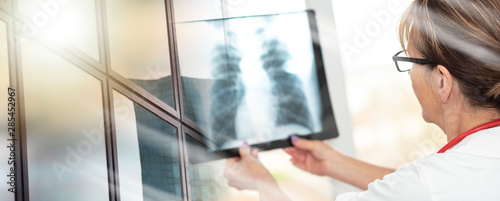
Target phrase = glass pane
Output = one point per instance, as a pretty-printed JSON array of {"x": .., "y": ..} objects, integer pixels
[
  {"x": 148, "y": 156},
  {"x": 206, "y": 179},
  {"x": 69, "y": 22},
  {"x": 4, "y": 5},
  {"x": 190, "y": 10},
  {"x": 64, "y": 129},
  {"x": 139, "y": 48},
  {"x": 4, "y": 134}
]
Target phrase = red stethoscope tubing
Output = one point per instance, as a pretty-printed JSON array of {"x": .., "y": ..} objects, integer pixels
[{"x": 459, "y": 138}]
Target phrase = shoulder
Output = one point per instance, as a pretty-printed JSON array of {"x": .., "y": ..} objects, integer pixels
[
  {"x": 468, "y": 171},
  {"x": 407, "y": 183},
  {"x": 447, "y": 176},
  {"x": 484, "y": 143}
]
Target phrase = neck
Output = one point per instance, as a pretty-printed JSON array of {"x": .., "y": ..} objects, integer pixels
[{"x": 461, "y": 120}]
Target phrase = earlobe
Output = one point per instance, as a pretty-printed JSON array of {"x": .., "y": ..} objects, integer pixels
[{"x": 446, "y": 84}]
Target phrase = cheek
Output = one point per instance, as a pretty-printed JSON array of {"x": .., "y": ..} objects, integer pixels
[
  {"x": 416, "y": 82},
  {"x": 422, "y": 93}
]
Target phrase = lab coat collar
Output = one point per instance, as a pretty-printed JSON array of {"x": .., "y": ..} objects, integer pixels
[{"x": 484, "y": 143}]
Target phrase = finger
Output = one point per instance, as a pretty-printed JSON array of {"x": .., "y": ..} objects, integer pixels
[
  {"x": 316, "y": 148},
  {"x": 298, "y": 164},
  {"x": 231, "y": 163},
  {"x": 231, "y": 183},
  {"x": 303, "y": 143},
  {"x": 294, "y": 155},
  {"x": 231, "y": 160},
  {"x": 298, "y": 158},
  {"x": 289, "y": 150},
  {"x": 226, "y": 174},
  {"x": 244, "y": 150},
  {"x": 298, "y": 154},
  {"x": 294, "y": 152},
  {"x": 255, "y": 153}
]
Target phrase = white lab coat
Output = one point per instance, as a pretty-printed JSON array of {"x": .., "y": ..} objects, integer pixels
[{"x": 469, "y": 171}]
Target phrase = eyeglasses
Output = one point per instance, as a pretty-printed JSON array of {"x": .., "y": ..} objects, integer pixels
[{"x": 404, "y": 64}]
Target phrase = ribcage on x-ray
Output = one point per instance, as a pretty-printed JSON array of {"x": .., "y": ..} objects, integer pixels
[
  {"x": 287, "y": 87},
  {"x": 226, "y": 93}
]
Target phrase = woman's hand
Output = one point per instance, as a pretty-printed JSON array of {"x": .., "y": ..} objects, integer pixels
[
  {"x": 315, "y": 157},
  {"x": 245, "y": 172},
  {"x": 318, "y": 158},
  {"x": 248, "y": 173}
]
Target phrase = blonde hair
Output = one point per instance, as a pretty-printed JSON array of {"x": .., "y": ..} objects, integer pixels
[{"x": 463, "y": 36}]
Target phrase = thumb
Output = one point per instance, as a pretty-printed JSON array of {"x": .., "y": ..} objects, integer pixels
[
  {"x": 303, "y": 143},
  {"x": 244, "y": 150}
]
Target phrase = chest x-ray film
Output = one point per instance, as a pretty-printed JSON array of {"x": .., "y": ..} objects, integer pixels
[{"x": 258, "y": 79}]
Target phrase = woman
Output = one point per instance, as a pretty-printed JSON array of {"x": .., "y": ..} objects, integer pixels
[{"x": 454, "y": 48}]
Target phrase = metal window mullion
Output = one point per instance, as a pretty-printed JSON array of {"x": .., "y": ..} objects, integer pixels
[
  {"x": 177, "y": 88},
  {"x": 109, "y": 119},
  {"x": 16, "y": 81},
  {"x": 111, "y": 146}
]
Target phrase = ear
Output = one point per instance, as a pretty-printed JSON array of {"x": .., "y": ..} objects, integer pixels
[{"x": 445, "y": 83}]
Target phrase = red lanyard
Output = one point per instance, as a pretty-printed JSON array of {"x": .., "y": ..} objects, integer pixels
[{"x": 471, "y": 131}]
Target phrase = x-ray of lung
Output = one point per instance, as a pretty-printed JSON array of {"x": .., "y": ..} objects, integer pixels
[
  {"x": 287, "y": 87},
  {"x": 251, "y": 78}
]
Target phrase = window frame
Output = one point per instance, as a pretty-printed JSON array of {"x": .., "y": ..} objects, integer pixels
[{"x": 110, "y": 81}]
